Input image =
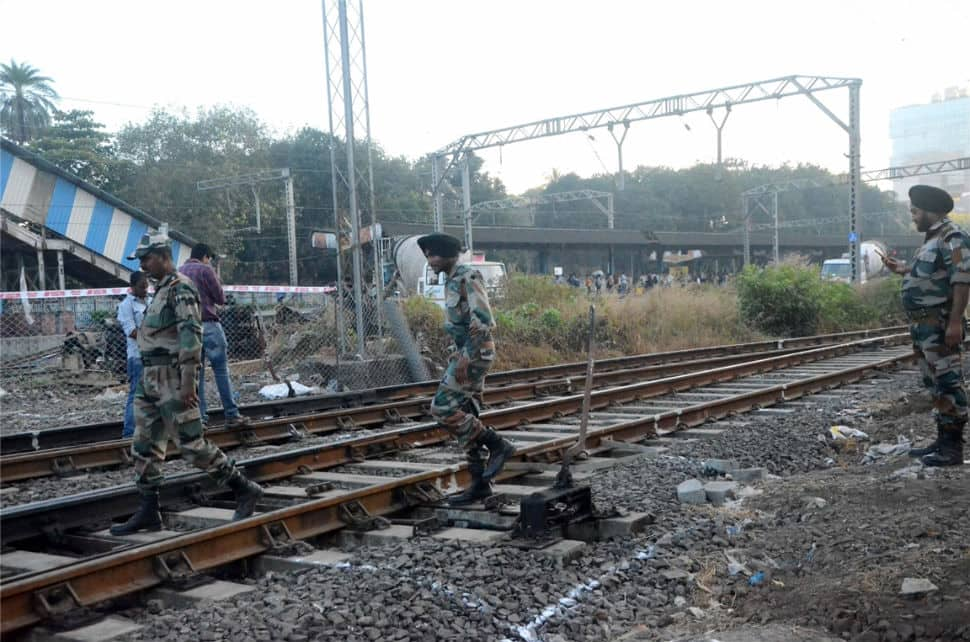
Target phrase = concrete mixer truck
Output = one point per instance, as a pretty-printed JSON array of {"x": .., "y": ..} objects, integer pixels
[
  {"x": 841, "y": 269},
  {"x": 406, "y": 270}
]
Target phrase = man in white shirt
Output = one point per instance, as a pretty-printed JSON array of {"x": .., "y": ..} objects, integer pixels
[{"x": 131, "y": 312}]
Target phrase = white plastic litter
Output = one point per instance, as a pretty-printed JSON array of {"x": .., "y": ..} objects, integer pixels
[
  {"x": 281, "y": 390},
  {"x": 885, "y": 451},
  {"x": 839, "y": 433}
]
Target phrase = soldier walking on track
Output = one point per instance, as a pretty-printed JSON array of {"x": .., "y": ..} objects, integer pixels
[
  {"x": 456, "y": 405},
  {"x": 935, "y": 291},
  {"x": 166, "y": 398}
]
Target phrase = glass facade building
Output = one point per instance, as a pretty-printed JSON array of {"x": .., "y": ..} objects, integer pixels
[{"x": 936, "y": 131}]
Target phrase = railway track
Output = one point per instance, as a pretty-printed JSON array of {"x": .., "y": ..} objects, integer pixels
[
  {"x": 322, "y": 489},
  {"x": 48, "y": 456},
  {"x": 69, "y": 436}
]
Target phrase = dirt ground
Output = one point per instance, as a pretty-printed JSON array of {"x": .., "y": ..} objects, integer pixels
[{"x": 835, "y": 546}]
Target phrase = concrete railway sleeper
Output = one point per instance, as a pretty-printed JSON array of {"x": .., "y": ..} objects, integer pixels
[
  {"x": 70, "y": 436},
  {"x": 123, "y": 567},
  {"x": 69, "y": 460},
  {"x": 74, "y": 459},
  {"x": 59, "y": 515}
]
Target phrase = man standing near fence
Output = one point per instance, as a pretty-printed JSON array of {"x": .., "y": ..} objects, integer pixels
[
  {"x": 468, "y": 319},
  {"x": 131, "y": 312},
  {"x": 166, "y": 398},
  {"x": 214, "y": 344}
]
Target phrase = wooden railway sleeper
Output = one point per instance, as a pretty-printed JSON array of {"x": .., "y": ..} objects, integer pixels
[
  {"x": 55, "y": 600},
  {"x": 356, "y": 517},
  {"x": 174, "y": 565}
]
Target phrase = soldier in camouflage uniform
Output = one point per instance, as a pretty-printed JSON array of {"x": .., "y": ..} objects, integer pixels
[
  {"x": 456, "y": 405},
  {"x": 166, "y": 397},
  {"x": 935, "y": 290}
]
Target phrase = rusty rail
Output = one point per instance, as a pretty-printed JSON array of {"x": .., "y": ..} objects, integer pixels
[
  {"x": 77, "y": 458},
  {"x": 72, "y": 436},
  {"x": 28, "y": 599}
]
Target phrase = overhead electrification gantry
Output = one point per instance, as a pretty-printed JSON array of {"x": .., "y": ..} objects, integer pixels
[
  {"x": 724, "y": 98},
  {"x": 758, "y": 195}
]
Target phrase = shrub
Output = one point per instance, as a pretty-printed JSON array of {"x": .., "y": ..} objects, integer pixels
[{"x": 783, "y": 300}]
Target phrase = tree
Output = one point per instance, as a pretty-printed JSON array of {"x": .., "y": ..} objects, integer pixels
[
  {"x": 77, "y": 144},
  {"x": 27, "y": 100}
]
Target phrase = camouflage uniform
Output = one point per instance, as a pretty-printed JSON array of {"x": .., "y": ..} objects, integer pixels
[
  {"x": 941, "y": 263},
  {"x": 469, "y": 321},
  {"x": 170, "y": 340}
]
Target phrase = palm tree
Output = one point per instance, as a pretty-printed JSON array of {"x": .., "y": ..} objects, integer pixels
[{"x": 27, "y": 100}]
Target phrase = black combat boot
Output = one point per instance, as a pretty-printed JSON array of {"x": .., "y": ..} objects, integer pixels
[
  {"x": 931, "y": 448},
  {"x": 247, "y": 492},
  {"x": 499, "y": 450},
  {"x": 950, "y": 452},
  {"x": 479, "y": 488},
  {"x": 146, "y": 518}
]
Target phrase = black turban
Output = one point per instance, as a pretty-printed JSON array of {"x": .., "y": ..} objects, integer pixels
[
  {"x": 931, "y": 199},
  {"x": 444, "y": 245}
]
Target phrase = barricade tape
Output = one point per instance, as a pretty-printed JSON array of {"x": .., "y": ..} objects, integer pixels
[{"x": 88, "y": 292}]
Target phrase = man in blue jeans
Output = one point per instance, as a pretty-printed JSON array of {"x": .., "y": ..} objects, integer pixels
[
  {"x": 131, "y": 312},
  {"x": 214, "y": 346}
]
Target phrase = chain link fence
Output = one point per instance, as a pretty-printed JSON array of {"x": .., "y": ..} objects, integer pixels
[{"x": 63, "y": 360}]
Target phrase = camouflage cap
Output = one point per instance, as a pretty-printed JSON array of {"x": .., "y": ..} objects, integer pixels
[{"x": 151, "y": 241}]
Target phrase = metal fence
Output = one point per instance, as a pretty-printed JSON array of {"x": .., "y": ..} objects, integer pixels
[{"x": 63, "y": 359}]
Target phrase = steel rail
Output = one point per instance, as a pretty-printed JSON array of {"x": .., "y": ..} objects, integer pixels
[
  {"x": 18, "y": 523},
  {"x": 28, "y": 599},
  {"x": 69, "y": 436},
  {"x": 69, "y": 460}
]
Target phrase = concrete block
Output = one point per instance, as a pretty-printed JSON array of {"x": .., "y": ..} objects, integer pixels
[
  {"x": 204, "y": 517},
  {"x": 565, "y": 550},
  {"x": 720, "y": 466},
  {"x": 719, "y": 492},
  {"x": 267, "y": 563},
  {"x": 218, "y": 591},
  {"x": 625, "y": 525},
  {"x": 29, "y": 561},
  {"x": 474, "y": 516},
  {"x": 472, "y": 535},
  {"x": 110, "y": 628},
  {"x": 691, "y": 492},
  {"x": 343, "y": 478},
  {"x": 8, "y": 491},
  {"x": 514, "y": 490},
  {"x": 395, "y": 533},
  {"x": 141, "y": 537},
  {"x": 749, "y": 474}
]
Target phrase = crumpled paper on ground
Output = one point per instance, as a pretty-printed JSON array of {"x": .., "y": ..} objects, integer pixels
[{"x": 886, "y": 451}]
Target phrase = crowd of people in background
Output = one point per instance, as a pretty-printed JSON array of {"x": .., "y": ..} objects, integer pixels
[{"x": 599, "y": 283}]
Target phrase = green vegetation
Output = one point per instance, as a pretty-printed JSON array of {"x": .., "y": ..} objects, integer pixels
[
  {"x": 791, "y": 300},
  {"x": 539, "y": 323}
]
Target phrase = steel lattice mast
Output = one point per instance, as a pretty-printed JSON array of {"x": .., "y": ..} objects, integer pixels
[{"x": 349, "y": 118}]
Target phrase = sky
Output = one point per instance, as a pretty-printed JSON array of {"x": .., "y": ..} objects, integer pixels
[{"x": 439, "y": 69}]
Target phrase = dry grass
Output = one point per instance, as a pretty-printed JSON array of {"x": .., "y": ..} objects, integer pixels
[{"x": 540, "y": 323}]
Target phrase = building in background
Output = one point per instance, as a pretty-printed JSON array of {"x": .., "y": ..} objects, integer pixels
[{"x": 938, "y": 130}]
